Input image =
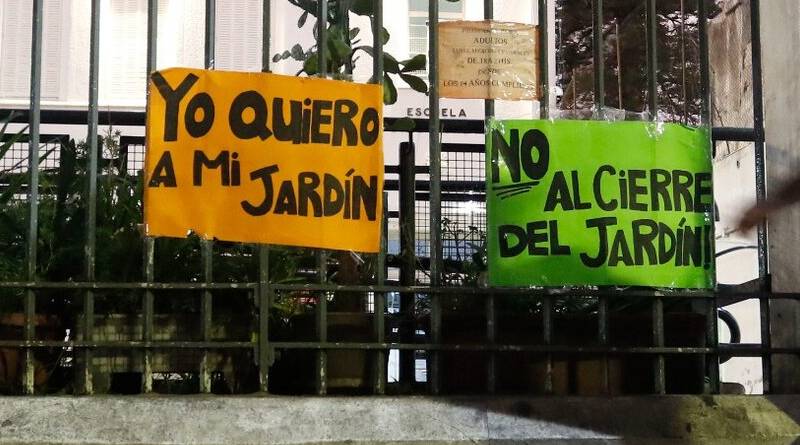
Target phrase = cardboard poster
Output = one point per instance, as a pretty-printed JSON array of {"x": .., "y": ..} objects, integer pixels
[
  {"x": 265, "y": 158},
  {"x": 488, "y": 60},
  {"x": 599, "y": 203}
]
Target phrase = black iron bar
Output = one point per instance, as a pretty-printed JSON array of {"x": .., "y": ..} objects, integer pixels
[
  {"x": 264, "y": 304},
  {"x": 751, "y": 350},
  {"x": 761, "y": 185},
  {"x": 33, "y": 190},
  {"x": 435, "y": 210},
  {"x": 266, "y": 35},
  {"x": 599, "y": 67},
  {"x": 85, "y": 367},
  {"x": 652, "y": 58},
  {"x": 658, "y": 342},
  {"x": 408, "y": 258},
  {"x": 149, "y": 242},
  {"x": 544, "y": 60},
  {"x": 488, "y": 14}
]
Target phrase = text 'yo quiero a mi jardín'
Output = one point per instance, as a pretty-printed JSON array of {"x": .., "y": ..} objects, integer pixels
[
  {"x": 599, "y": 203},
  {"x": 257, "y": 157}
]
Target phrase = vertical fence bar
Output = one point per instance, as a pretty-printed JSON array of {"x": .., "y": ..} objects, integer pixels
[
  {"x": 322, "y": 261},
  {"x": 322, "y": 36},
  {"x": 705, "y": 80},
  {"x": 91, "y": 204},
  {"x": 488, "y": 105},
  {"x": 712, "y": 339},
  {"x": 379, "y": 386},
  {"x": 685, "y": 116},
  {"x": 207, "y": 255},
  {"x": 435, "y": 194},
  {"x": 547, "y": 335},
  {"x": 322, "y": 326},
  {"x": 264, "y": 292},
  {"x": 33, "y": 189},
  {"x": 602, "y": 337},
  {"x": 488, "y": 14},
  {"x": 544, "y": 60},
  {"x": 149, "y": 242},
  {"x": 377, "y": 44},
  {"x": 264, "y": 305},
  {"x": 408, "y": 264},
  {"x": 652, "y": 105},
  {"x": 152, "y": 35},
  {"x": 652, "y": 59},
  {"x": 266, "y": 37},
  {"x": 147, "y": 310},
  {"x": 620, "y": 104},
  {"x": 658, "y": 341},
  {"x": 761, "y": 187},
  {"x": 599, "y": 59},
  {"x": 207, "y": 246},
  {"x": 491, "y": 337},
  {"x": 712, "y": 360},
  {"x": 574, "y": 90},
  {"x": 210, "y": 33}
]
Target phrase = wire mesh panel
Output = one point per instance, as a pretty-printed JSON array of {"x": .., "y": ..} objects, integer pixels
[
  {"x": 463, "y": 165},
  {"x": 133, "y": 150},
  {"x": 14, "y": 161}
]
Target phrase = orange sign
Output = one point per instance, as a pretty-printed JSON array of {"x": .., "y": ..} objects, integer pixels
[{"x": 265, "y": 158}]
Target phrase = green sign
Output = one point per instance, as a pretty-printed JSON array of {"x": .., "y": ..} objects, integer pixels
[{"x": 599, "y": 203}]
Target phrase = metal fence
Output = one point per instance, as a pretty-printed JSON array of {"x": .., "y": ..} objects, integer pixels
[{"x": 424, "y": 303}]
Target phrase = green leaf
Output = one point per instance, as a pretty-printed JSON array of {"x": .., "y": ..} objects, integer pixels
[
  {"x": 310, "y": 66},
  {"x": 354, "y": 32},
  {"x": 390, "y": 64},
  {"x": 302, "y": 20},
  {"x": 11, "y": 189},
  {"x": 339, "y": 48},
  {"x": 416, "y": 83},
  {"x": 6, "y": 145},
  {"x": 385, "y": 36},
  {"x": 389, "y": 91},
  {"x": 281, "y": 56},
  {"x": 335, "y": 31},
  {"x": 402, "y": 124},
  {"x": 297, "y": 53},
  {"x": 362, "y": 7},
  {"x": 415, "y": 63},
  {"x": 365, "y": 48}
]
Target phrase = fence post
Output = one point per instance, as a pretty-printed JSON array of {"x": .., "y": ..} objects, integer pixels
[
  {"x": 408, "y": 259},
  {"x": 91, "y": 204},
  {"x": 435, "y": 196},
  {"x": 33, "y": 190},
  {"x": 149, "y": 242}
]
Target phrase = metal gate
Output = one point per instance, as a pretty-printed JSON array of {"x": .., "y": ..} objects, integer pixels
[{"x": 408, "y": 314}]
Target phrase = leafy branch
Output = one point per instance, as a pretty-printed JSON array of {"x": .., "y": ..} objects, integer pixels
[{"x": 343, "y": 47}]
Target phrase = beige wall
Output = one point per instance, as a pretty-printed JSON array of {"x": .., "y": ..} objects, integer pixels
[{"x": 780, "y": 28}]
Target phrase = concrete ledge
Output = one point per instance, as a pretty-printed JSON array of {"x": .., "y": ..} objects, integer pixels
[{"x": 306, "y": 420}]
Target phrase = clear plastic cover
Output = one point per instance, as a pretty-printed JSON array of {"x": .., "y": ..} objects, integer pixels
[
  {"x": 488, "y": 60},
  {"x": 599, "y": 203}
]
